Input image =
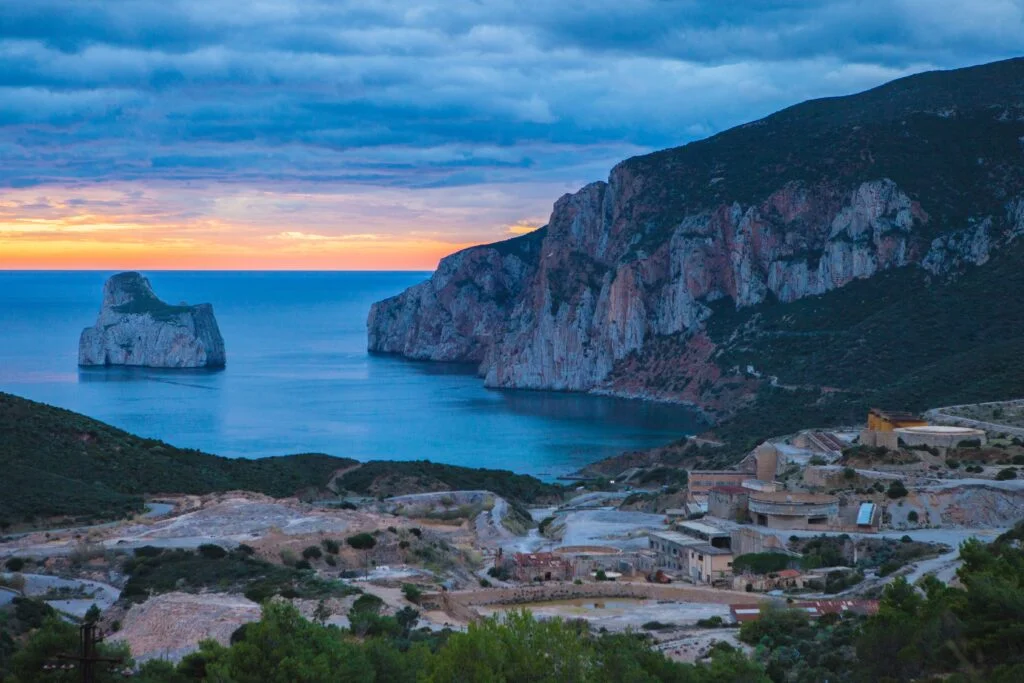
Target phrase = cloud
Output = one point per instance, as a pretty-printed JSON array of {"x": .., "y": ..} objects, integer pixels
[{"x": 418, "y": 96}]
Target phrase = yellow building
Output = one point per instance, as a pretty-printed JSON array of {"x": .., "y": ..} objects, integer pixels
[{"x": 887, "y": 421}]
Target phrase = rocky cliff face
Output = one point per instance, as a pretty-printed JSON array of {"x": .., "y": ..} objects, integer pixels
[
  {"x": 627, "y": 272},
  {"x": 136, "y": 328}
]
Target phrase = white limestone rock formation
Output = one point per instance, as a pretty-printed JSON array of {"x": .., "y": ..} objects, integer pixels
[{"x": 136, "y": 328}]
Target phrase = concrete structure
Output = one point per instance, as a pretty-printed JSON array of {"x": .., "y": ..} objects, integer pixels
[
  {"x": 750, "y": 540},
  {"x": 708, "y": 533},
  {"x": 813, "y": 609},
  {"x": 940, "y": 436},
  {"x": 707, "y": 563},
  {"x": 790, "y": 510},
  {"x": 700, "y": 482},
  {"x": 690, "y": 557},
  {"x": 882, "y": 426},
  {"x": 728, "y": 502},
  {"x": 766, "y": 462},
  {"x": 541, "y": 567},
  {"x": 758, "y": 485},
  {"x": 671, "y": 550}
]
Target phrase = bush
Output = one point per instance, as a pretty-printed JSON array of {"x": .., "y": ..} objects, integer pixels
[
  {"x": 1018, "y": 459},
  {"x": 303, "y": 564},
  {"x": 912, "y": 517},
  {"x": 1006, "y": 474},
  {"x": 849, "y": 473},
  {"x": 313, "y": 552},
  {"x": 906, "y": 539},
  {"x": 148, "y": 551},
  {"x": 888, "y": 568},
  {"x": 331, "y": 560},
  {"x": 711, "y": 622},
  {"x": 897, "y": 490},
  {"x": 657, "y": 626},
  {"x": 15, "y": 564},
  {"x": 412, "y": 592},
  {"x": 761, "y": 563},
  {"x": 211, "y": 551},
  {"x": 362, "y": 541},
  {"x": 952, "y": 464},
  {"x": 289, "y": 557},
  {"x": 484, "y": 583},
  {"x": 247, "y": 550},
  {"x": 331, "y": 546}
]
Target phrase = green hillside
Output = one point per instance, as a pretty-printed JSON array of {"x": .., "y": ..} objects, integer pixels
[
  {"x": 902, "y": 340},
  {"x": 54, "y": 462}
]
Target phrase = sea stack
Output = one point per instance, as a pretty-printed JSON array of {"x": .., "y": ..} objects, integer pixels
[{"x": 136, "y": 328}]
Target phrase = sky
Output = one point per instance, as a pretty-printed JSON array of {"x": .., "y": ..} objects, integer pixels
[{"x": 322, "y": 135}]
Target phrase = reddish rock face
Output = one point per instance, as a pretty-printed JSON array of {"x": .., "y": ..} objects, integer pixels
[{"x": 613, "y": 296}]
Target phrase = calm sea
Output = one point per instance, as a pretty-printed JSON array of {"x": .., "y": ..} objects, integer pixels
[{"x": 299, "y": 379}]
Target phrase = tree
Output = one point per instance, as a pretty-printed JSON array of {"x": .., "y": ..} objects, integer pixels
[
  {"x": 362, "y": 541},
  {"x": 896, "y": 489},
  {"x": 407, "y": 618},
  {"x": 1006, "y": 474},
  {"x": 322, "y": 612},
  {"x": 57, "y": 637},
  {"x": 93, "y": 614},
  {"x": 285, "y": 648},
  {"x": 412, "y": 592}
]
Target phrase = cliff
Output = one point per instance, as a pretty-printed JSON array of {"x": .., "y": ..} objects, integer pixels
[
  {"x": 136, "y": 328},
  {"x": 617, "y": 293}
]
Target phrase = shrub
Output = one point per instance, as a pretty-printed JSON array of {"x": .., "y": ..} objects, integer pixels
[
  {"x": 1018, "y": 459},
  {"x": 246, "y": 549},
  {"x": 761, "y": 563},
  {"x": 361, "y": 541},
  {"x": 912, "y": 517},
  {"x": 412, "y": 592},
  {"x": 313, "y": 552},
  {"x": 303, "y": 564},
  {"x": 415, "y": 531},
  {"x": 711, "y": 622},
  {"x": 600, "y": 575},
  {"x": 897, "y": 490},
  {"x": 331, "y": 546},
  {"x": 1006, "y": 474},
  {"x": 888, "y": 567},
  {"x": 952, "y": 464},
  {"x": 15, "y": 564},
  {"x": 345, "y": 505},
  {"x": 657, "y": 626},
  {"x": 148, "y": 551},
  {"x": 331, "y": 560},
  {"x": 817, "y": 460},
  {"x": 289, "y": 557},
  {"x": 906, "y": 539},
  {"x": 484, "y": 583},
  {"x": 392, "y": 529},
  {"x": 211, "y": 551}
]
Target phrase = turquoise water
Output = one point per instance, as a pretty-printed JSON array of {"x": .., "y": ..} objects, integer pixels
[{"x": 299, "y": 379}]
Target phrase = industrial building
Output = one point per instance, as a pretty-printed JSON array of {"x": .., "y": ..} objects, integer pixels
[
  {"x": 882, "y": 426},
  {"x": 940, "y": 436},
  {"x": 791, "y": 510},
  {"x": 728, "y": 502}
]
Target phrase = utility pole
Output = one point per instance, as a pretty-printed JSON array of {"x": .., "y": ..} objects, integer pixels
[{"x": 87, "y": 659}]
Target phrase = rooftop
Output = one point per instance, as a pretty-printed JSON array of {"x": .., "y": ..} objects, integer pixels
[
  {"x": 675, "y": 537},
  {"x": 729, "y": 489},
  {"x": 941, "y": 429},
  {"x": 701, "y": 528},
  {"x": 895, "y": 414},
  {"x": 792, "y": 497},
  {"x": 706, "y": 549}
]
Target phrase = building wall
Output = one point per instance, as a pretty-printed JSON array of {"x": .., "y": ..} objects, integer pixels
[
  {"x": 700, "y": 482},
  {"x": 766, "y": 459},
  {"x": 705, "y": 568},
  {"x": 888, "y": 438},
  {"x": 938, "y": 439},
  {"x": 750, "y": 540},
  {"x": 727, "y": 505}
]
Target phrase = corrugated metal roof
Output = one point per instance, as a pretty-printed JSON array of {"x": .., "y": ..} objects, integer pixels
[{"x": 865, "y": 514}]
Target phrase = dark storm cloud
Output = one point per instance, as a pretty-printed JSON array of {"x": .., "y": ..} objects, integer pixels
[{"x": 427, "y": 94}]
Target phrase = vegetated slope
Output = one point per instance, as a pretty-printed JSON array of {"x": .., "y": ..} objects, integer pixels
[
  {"x": 638, "y": 283},
  {"x": 56, "y": 462},
  {"x": 902, "y": 339},
  {"x": 398, "y": 478}
]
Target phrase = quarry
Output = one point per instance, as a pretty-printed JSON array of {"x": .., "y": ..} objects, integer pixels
[{"x": 820, "y": 515}]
